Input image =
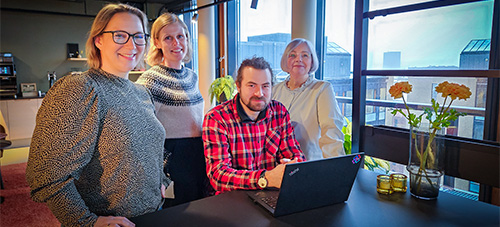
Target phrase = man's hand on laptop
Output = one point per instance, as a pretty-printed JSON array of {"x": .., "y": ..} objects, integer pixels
[{"x": 275, "y": 176}]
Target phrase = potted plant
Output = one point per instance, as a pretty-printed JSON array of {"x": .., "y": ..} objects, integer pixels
[
  {"x": 426, "y": 146},
  {"x": 222, "y": 89}
]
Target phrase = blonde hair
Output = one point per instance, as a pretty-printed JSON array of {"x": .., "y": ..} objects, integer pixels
[
  {"x": 155, "y": 55},
  {"x": 101, "y": 21},
  {"x": 294, "y": 44}
]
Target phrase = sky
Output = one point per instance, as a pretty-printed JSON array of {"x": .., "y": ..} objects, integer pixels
[
  {"x": 431, "y": 37},
  {"x": 271, "y": 16}
]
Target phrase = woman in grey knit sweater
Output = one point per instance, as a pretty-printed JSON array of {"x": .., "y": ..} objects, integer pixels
[
  {"x": 96, "y": 157},
  {"x": 179, "y": 107}
]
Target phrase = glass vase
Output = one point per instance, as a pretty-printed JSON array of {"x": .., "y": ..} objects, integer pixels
[{"x": 425, "y": 165}]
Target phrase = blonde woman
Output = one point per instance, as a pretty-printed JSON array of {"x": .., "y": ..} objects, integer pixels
[
  {"x": 314, "y": 112},
  {"x": 179, "y": 107},
  {"x": 96, "y": 156}
]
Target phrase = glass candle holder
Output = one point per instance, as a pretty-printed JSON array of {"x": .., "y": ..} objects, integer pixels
[
  {"x": 398, "y": 182},
  {"x": 384, "y": 184}
]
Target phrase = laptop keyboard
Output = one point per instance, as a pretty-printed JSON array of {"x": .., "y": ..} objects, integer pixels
[{"x": 271, "y": 201}]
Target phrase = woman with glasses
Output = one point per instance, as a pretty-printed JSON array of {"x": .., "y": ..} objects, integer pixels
[
  {"x": 314, "y": 112},
  {"x": 179, "y": 107},
  {"x": 96, "y": 156}
]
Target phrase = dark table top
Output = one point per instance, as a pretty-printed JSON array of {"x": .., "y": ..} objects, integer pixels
[{"x": 365, "y": 207}]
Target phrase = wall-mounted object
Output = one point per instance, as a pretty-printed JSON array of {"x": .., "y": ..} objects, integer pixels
[
  {"x": 77, "y": 59},
  {"x": 134, "y": 75},
  {"x": 254, "y": 4},
  {"x": 8, "y": 81},
  {"x": 29, "y": 90},
  {"x": 194, "y": 19},
  {"x": 73, "y": 50},
  {"x": 52, "y": 78}
]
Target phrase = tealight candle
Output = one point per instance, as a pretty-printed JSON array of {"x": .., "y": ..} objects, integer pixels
[
  {"x": 384, "y": 184},
  {"x": 398, "y": 182}
]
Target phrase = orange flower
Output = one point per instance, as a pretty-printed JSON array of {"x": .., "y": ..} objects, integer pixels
[
  {"x": 441, "y": 87},
  {"x": 453, "y": 90},
  {"x": 397, "y": 89}
]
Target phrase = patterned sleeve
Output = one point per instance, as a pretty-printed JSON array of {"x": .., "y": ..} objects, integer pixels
[
  {"x": 330, "y": 122},
  {"x": 222, "y": 175},
  {"x": 289, "y": 146},
  {"x": 67, "y": 126}
]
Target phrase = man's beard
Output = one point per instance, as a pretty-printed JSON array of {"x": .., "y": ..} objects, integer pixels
[{"x": 256, "y": 108}]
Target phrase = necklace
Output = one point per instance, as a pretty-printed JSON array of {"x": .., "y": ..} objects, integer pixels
[
  {"x": 295, "y": 93},
  {"x": 300, "y": 85}
]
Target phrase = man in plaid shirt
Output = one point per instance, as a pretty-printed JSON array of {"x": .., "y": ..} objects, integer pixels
[{"x": 249, "y": 139}]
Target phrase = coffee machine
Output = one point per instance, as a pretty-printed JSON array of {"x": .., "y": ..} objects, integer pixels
[{"x": 8, "y": 81}]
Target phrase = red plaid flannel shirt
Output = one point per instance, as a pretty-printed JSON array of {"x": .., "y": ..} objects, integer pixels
[{"x": 237, "y": 152}]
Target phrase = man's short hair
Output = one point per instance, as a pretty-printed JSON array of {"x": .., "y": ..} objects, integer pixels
[{"x": 254, "y": 62}]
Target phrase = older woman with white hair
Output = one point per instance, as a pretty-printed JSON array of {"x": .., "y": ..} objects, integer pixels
[{"x": 312, "y": 105}]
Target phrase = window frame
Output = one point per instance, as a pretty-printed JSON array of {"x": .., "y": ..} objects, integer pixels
[
  {"x": 232, "y": 36},
  {"x": 470, "y": 159},
  {"x": 475, "y": 160}
]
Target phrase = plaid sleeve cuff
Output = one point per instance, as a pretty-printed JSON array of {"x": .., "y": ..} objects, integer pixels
[{"x": 255, "y": 179}]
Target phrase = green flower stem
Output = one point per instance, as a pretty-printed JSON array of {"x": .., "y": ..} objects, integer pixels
[
  {"x": 426, "y": 157},
  {"x": 428, "y": 153},
  {"x": 419, "y": 178},
  {"x": 423, "y": 159},
  {"x": 444, "y": 114},
  {"x": 407, "y": 109},
  {"x": 416, "y": 145},
  {"x": 441, "y": 115}
]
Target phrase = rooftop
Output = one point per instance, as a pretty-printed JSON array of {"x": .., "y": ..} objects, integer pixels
[{"x": 477, "y": 45}]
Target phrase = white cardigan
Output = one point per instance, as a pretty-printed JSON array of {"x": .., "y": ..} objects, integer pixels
[{"x": 315, "y": 117}]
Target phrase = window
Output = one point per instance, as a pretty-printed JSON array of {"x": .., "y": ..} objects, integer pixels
[
  {"x": 382, "y": 4},
  {"x": 407, "y": 44},
  {"x": 193, "y": 31},
  {"x": 338, "y": 54},
  {"x": 412, "y": 41},
  {"x": 264, "y": 32}
]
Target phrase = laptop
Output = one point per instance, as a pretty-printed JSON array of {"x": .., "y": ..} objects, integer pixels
[{"x": 311, "y": 184}]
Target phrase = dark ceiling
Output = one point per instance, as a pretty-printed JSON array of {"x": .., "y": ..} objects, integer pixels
[{"x": 172, "y": 5}]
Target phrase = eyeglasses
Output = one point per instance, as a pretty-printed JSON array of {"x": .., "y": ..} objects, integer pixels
[{"x": 122, "y": 37}]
